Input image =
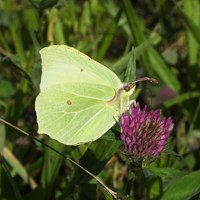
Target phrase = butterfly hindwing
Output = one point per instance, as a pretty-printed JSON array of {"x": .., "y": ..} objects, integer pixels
[{"x": 74, "y": 113}]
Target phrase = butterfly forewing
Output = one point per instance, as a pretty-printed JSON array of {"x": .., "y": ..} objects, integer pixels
[{"x": 63, "y": 64}]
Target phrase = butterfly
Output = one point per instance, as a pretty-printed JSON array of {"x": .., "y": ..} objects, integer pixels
[{"x": 80, "y": 99}]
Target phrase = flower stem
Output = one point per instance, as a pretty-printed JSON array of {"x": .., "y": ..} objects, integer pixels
[{"x": 139, "y": 181}]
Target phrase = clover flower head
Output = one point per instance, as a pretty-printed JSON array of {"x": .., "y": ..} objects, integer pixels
[{"x": 144, "y": 134}]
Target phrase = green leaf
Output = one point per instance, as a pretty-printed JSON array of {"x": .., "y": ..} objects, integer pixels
[
  {"x": 59, "y": 32},
  {"x": 136, "y": 29},
  {"x": 162, "y": 172},
  {"x": 6, "y": 88},
  {"x": 190, "y": 23},
  {"x": 184, "y": 187},
  {"x": 163, "y": 71},
  {"x": 2, "y": 136},
  {"x": 138, "y": 51},
  {"x": 130, "y": 74},
  {"x": 107, "y": 37},
  {"x": 192, "y": 15},
  {"x": 52, "y": 163},
  {"x": 181, "y": 98},
  {"x": 8, "y": 187},
  {"x": 31, "y": 19},
  {"x": 15, "y": 164}
]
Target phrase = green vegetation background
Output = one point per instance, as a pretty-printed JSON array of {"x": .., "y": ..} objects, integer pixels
[{"x": 167, "y": 33}]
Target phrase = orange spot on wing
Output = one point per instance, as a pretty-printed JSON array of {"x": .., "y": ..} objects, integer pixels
[{"x": 69, "y": 102}]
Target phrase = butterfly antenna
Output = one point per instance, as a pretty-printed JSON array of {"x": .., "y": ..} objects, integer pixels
[
  {"x": 131, "y": 84},
  {"x": 153, "y": 80}
]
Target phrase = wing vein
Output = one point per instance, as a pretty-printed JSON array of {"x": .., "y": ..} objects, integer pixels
[
  {"x": 88, "y": 122},
  {"x": 89, "y": 97}
]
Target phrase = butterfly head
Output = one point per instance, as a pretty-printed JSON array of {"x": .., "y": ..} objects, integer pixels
[{"x": 121, "y": 100}]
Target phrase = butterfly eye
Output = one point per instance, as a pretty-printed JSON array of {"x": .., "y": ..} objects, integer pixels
[{"x": 127, "y": 88}]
